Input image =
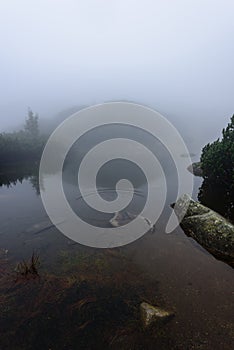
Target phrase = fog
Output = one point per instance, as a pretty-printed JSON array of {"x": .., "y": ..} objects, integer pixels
[{"x": 175, "y": 56}]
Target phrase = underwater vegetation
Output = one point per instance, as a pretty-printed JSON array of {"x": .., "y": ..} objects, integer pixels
[
  {"x": 29, "y": 268},
  {"x": 88, "y": 299},
  {"x": 91, "y": 301}
]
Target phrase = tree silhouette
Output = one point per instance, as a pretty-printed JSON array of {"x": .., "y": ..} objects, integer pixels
[
  {"x": 217, "y": 158},
  {"x": 217, "y": 161},
  {"x": 31, "y": 125}
]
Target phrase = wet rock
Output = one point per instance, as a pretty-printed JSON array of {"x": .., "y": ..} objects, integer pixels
[
  {"x": 195, "y": 169},
  {"x": 153, "y": 315},
  {"x": 207, "y": 227}
]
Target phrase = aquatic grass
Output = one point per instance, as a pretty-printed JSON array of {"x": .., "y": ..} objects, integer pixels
[
  {"x": 97, "y": 293},
  {"x": 29, "y": 268},
  {"x": 82, "y": 302},
  {"x": 82, "y": 263}
]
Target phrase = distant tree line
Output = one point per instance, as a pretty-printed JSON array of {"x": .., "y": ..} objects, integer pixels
[{"x": 26, "y": 144}]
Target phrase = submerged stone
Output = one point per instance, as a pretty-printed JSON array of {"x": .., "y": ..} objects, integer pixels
[
  {"x": 207, "y": 227},
  {"x": 120, "y": 219},
  {"x": 123, "y": 218},
  {"x": 153, "y": 315}
]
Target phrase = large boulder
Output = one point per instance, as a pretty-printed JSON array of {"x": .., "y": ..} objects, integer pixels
[{"x": 207, "y": 227}]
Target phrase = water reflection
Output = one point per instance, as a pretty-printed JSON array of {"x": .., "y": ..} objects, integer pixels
[
  {"x": 11, "y": 174},
  {"x": 96, "y": 293},
  {"x": 213, "y": 196}
]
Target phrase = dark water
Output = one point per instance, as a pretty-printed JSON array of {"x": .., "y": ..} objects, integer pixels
[{"x": 86, "y": 298}]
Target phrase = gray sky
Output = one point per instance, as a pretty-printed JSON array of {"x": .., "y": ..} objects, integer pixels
[{"x": 177, "y": 56}]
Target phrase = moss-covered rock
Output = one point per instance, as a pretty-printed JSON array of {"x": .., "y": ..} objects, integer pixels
[{"x": 207, "y": 227}]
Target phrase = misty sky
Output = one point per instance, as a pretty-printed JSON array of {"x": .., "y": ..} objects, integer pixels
[{"x": 176, "y": 56}]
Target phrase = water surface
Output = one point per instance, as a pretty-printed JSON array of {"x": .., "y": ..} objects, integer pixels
[{"x": 88, "y": 298}]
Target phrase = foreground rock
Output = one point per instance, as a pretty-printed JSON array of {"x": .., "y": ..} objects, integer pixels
[
  {"x": 153, "y": 315},
  {"x": 195, "y": 169},
  {"x": 207, "y": 227}
]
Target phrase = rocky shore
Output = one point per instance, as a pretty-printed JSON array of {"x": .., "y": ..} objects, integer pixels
[{"x": 208, "y": 228}]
